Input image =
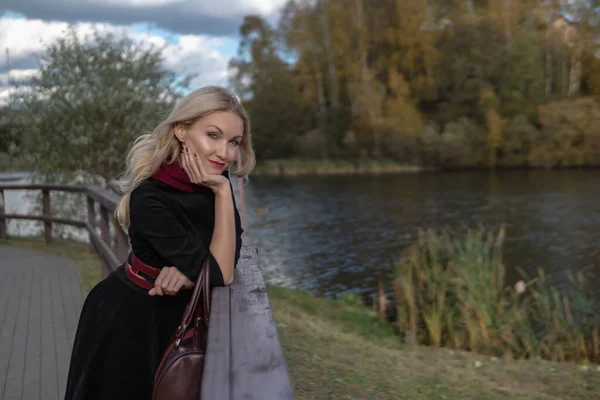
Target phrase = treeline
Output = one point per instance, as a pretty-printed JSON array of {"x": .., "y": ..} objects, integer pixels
[{"x": 449, "y": 83}]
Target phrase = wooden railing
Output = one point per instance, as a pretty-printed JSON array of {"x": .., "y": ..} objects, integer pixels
[
  {"x": 100, "y": 202},
  {"x": 244, "y": 358}
]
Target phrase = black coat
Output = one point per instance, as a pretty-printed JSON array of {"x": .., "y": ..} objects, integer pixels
[{"x": 123, "y": 331}]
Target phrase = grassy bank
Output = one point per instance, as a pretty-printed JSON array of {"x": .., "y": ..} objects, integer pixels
[
  {"x": 337, "y": 349},
  {"x": 297, "y": 166}
]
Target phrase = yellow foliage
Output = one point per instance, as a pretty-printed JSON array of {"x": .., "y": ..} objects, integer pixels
[
  {"x": 495, "y": 125},
  {"x": 401, "y": 115}
]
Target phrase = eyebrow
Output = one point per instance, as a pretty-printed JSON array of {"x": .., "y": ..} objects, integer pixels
[{"x": 219, "y": 129}]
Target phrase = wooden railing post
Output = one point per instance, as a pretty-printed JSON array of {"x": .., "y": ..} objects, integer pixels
[
  {"x": 47, "y": 212},
  {"x": 91, "y": 217},
  {"x": 104, "y": 228},
  {"x": 3, "y": 229},
  {"x": 101, "y": 243}
]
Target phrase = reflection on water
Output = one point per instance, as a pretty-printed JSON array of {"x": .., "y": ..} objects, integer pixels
[{"x": 334, "y": 234}]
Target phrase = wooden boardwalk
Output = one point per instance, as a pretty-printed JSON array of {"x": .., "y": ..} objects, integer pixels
[{"x": 40, "y": 301}]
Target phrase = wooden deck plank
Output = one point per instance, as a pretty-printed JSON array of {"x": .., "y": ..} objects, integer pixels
[
  {"x": 49, "y": 378},
  {"x": 33, "y": 353},
  {"x": 70, "y": 304},
  {"x": 61, "y": 334},
  {"x": 13, "y": 387},
  {"x": 40, "y": 301},
  {"x": 11, "y": 297},
  {"x": 6, "y": 282}
]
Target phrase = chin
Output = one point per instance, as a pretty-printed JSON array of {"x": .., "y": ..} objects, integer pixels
[{"x": 217, "y": 168}]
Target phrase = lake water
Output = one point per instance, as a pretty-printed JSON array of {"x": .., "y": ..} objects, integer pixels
[
  {"x": 341, "y": 233},
  {"x": 335, "y": 234}
]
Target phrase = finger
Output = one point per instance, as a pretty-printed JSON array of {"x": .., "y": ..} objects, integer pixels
[
  {"x": 189, "y": 284},
  {"x": 175, "y": 284},
  {"x": 159, "y": 282},
  {"x": 168, "y": 279},
  {"x": 196, "y": 166},
  {"x": 185, "y": 163},
  {"x": 186, "y": 282},
  {"x": 152, "y": 292},
  {"x": 178, "y": 285},
  {"x": 184, "y": 160},
  {"x": 192, "y": 164}
]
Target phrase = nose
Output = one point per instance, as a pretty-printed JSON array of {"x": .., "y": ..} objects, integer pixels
[{"x": 222, "y": 151}]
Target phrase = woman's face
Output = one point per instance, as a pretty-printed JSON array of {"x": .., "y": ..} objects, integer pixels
[{"x": 214, "y": 140}]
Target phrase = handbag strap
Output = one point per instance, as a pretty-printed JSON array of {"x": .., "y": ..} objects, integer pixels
[{"x": 202, "y": 288}]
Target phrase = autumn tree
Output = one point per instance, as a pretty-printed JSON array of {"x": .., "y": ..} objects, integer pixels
[{"x": 267, "y": 86}]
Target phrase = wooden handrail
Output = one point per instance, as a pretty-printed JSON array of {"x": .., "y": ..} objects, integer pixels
[
  {"x": 244, "y": 358},
  {"x": 99, "y": 201}
]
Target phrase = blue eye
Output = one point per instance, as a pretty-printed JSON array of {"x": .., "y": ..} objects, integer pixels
[{"x": 212, "y": 135}]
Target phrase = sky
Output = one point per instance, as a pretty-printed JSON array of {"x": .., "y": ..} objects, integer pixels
[{"x": 201, "y": 35}]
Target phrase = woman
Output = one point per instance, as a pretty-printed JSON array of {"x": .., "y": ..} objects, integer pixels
[{"x": 178, "y": 208}]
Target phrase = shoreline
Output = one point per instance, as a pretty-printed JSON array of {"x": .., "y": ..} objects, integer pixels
[
  {"x": 333, "y": 167},
  {"x": 296, "y": 167}
]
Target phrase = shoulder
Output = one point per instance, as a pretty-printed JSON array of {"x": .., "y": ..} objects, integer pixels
[{"x": 148, "y": 194}]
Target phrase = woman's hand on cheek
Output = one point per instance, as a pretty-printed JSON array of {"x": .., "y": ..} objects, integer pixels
[{"x": 195, "y": 171}]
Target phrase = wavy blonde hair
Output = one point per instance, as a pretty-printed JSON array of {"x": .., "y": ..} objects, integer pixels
[{"x": 151, "y": 150}]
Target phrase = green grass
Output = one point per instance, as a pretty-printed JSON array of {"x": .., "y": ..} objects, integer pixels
[{"x": 338, "y": 349}]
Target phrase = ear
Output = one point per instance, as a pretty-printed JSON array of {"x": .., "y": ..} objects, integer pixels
[{"x": 179, "y": 131}]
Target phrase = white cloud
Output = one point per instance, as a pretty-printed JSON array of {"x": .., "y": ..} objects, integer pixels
[
  {"x": 23, "y": 37},
  {"x": 221, "y": 17},
  {"x": 196, "y": 54}
]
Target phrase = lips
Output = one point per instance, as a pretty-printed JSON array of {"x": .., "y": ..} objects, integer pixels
[{"x": 217, "y": 164}]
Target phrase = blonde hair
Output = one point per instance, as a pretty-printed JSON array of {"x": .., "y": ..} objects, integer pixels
[{"x": 151, "y": 150}]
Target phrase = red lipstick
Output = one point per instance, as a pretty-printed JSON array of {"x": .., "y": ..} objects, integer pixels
[{"x": 218, "y": 164}]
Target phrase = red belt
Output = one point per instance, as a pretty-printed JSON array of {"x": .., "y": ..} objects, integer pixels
[{"x": 136, "y": 266}]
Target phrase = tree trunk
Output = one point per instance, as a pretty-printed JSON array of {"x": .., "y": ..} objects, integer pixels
[
  {"x": 575, "y": 73},
  {"x": 548, "y": 60},
  {"x": 320, "y": 92},
  {"x": 335, "y": 92},
  {"x": 366, "y": 79},
  {"x": 507, "y": 20},
  {"x": 564, "y": 71},
  {"x": 470, "y": 7}
]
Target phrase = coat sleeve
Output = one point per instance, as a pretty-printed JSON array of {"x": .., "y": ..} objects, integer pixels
[{"x": 171, "y": 241}]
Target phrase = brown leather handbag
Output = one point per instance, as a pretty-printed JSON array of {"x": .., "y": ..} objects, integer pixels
[{"x": 179, "y": 374}]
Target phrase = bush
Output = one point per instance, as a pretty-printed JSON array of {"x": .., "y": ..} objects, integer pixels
[{"x": 451, "y": 292}]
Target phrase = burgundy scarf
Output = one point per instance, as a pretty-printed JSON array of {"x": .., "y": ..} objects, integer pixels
[{"x": 174, "y": 175}]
